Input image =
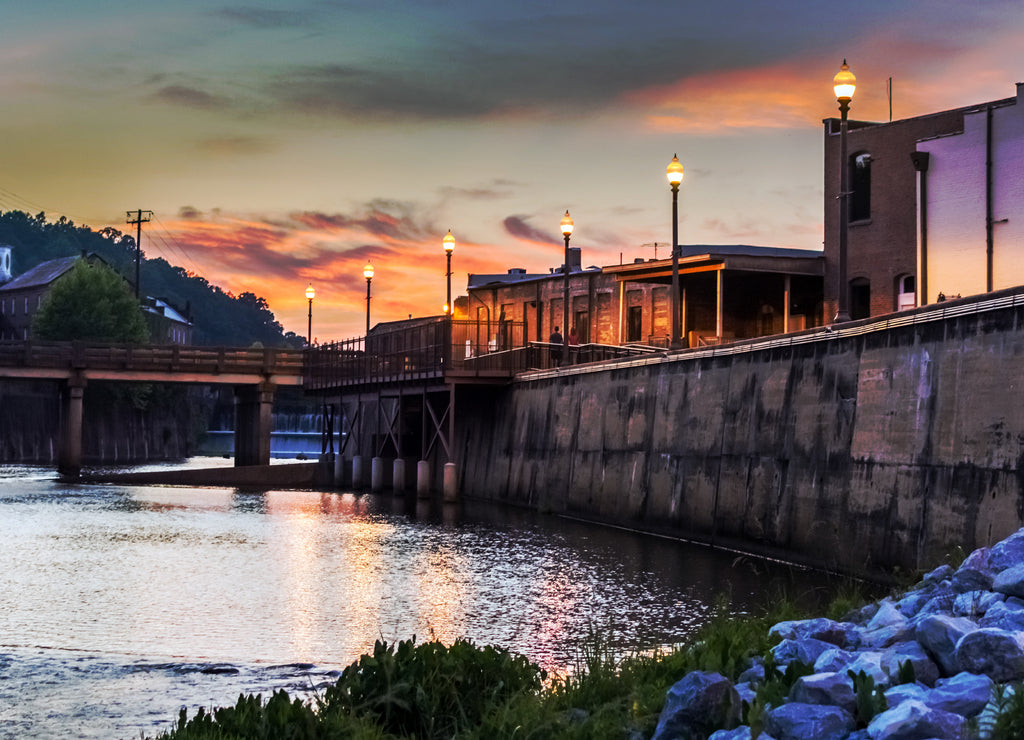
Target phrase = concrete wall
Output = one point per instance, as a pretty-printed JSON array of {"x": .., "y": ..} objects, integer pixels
[{"x": 860, "y": 452}]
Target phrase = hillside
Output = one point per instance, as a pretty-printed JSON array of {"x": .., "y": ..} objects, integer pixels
[{"x": 218, "y": 317}]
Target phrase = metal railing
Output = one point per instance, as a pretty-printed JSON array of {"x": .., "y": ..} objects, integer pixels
[{"x": 439, "y": 348}]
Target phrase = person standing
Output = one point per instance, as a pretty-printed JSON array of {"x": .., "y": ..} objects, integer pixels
[{"x": 556, "y": 347}]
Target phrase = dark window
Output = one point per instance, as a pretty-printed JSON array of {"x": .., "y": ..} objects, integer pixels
[
  {"x": 860, "y": 298},
  {"x": 582, "y": 327},
  {"x": 634, "y": 323},
  {"x": 860, "y": 187}
]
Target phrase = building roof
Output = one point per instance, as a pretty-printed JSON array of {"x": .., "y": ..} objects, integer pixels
[
  {"x": 732, "y": 257},
  {"x": 692, "y": 258},
  {"x": 41, "y": 275}
]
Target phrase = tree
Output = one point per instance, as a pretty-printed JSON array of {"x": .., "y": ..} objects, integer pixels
[{"x": 91, "y": 302}]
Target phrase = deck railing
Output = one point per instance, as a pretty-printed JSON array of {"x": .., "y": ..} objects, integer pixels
[{"x": 439, "y": 348}]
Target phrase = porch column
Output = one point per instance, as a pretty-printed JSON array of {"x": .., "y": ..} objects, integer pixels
[
  {"x": 719, "y": 306},
  {"x": 785, "y": 304}
]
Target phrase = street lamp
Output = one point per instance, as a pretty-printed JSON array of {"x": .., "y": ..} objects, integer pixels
[
  {"x": 449, "y": 247},
  {"x": 566, "y": 226},
  {"x": 368, "y": 274},
  {"x": 310, "y": 294},
  {"x": 674, "y": 171},
  {"x": 844, "y": 83}
]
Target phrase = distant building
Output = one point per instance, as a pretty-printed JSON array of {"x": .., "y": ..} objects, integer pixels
[
  {"x": 166, "y": 324},
  {"x": 930, "y": 199},
  {"x": 22, "y": 296}
]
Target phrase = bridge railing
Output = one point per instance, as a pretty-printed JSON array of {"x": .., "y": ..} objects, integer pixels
[
  {"x": 435, "y": 348},
  {"x": 147, "y": 358}
]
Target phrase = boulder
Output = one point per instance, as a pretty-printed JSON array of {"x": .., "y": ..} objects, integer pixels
[
  {"x": 835, "y": 689},
  {"x": 833, "y": 660},
  {"x": 797, "y": 721},
  {"x": 698, "y": 704},
  {"x": 888, "y": 614},
  {"x": 999, "y": 654},
  {"x": 1004, "y": 615},
  {"x": 938, "y": 575},
  {"x": 740, "y": 733},
  {"x": 939, "y": 635},
  {"x": 1007, "y": 553},
  {"x": 806, "y": 650},
  {"x": 912, "y": 603},
  {"x": 870, "y": 662},
  {"x": 905, "y": 692},
  {"x": 925, "y": 669},
  {"x": 975, "y": 604},
  {"x": 965, "y": 694},
  {"x": 840, "y": 634},
  {"x": 974, "y": 574},
  {"x": 1010, "y": 581},
  {"x": 913, "y": 720}
]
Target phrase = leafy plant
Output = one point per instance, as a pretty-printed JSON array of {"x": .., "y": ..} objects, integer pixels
[
  {"x": 1008, "y": 704},
  {"x": 429, "y": 690},
  {"x": 773, "y": 691},
  {"x": 870, "y": 699}
]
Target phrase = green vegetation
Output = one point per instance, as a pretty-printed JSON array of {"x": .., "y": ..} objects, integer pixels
[
  {"x": 431, "y": 691},
  {"x": 90, "y": 302},
  {"x": 219, "y": 317}
]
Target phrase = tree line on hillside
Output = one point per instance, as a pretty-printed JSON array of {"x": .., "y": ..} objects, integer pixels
[{"x": 218, "y": 317}]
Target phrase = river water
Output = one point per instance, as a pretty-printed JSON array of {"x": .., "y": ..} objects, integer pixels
[{"x": 120, "y": 605}]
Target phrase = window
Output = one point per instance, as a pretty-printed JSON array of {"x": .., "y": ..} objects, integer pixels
[
  {"x": 906, "y": 292},
  {"x": 860, "y": 187},
  {"x": 860, "y": 298},
  {"x": 582, "y": 327},
  {"x": 634, "y": 323},
  {"x": 26, "y": 305}
]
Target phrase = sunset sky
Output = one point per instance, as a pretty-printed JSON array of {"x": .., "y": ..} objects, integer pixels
[{"x": 281, "y": 144}]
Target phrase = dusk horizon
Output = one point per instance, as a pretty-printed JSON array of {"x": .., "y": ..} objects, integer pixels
[{"x": 281, "y": 146}]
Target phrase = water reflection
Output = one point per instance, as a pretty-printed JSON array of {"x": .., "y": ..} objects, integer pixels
[{"x": 182, "y": 580}]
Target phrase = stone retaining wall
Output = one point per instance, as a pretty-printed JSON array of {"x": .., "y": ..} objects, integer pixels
[{"x": 860, "y": 452}]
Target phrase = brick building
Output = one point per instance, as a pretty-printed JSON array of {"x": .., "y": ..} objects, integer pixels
[
  {"x": 891, "y": 230},
  {"x": 726, "y": 292}
]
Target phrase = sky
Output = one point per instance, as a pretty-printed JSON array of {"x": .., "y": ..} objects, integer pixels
[{"x": 286, "y": 144}]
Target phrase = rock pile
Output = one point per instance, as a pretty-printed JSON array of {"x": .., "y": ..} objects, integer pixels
[{"x": 936, "y": 653}]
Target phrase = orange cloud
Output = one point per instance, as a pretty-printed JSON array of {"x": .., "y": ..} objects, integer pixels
[{"x": 277, "y": 257}]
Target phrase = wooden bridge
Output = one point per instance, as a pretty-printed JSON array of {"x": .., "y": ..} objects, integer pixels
[
  {"x": 254, "y": 373},
  {"x": 393, "y": 392}
]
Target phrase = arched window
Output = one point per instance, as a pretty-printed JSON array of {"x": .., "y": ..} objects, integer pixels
[
  {"x": 860, "y": 187},
  {"x": 906, "y": 292}
]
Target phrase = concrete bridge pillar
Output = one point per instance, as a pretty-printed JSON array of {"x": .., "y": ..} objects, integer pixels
[
  {"x": 69, "y": 462},
  {"x": 398, "y": 475},
  {"x": 253, "y": 406},
  {"x": 358, "y": 477},
  {"x": 451, "y": 482},
  {"x": 380, "y": 474},
  {"x": 423, "y": 479}
]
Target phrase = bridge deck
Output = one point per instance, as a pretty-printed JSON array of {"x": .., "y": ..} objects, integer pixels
[{"x": 150, "y": 363}]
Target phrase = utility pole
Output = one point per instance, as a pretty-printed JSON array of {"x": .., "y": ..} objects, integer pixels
[{"x": 138, "y": 221}]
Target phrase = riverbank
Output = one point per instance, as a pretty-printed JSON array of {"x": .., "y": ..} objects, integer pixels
[{"x": 944, "y": 659}]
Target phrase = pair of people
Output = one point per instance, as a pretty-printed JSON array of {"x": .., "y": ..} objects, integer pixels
[{"x": 557, "y": 342}]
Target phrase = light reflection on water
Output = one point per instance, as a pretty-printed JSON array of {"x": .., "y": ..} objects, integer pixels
[{"x": 116, "y": 601}]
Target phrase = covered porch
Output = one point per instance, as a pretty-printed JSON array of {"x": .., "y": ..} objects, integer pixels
[{"x": 725, "y": 293}]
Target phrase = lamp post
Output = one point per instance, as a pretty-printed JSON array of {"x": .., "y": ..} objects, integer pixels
[
  {"x": 566, "y": 226},
  {"x": 368, "y": 274},
  {"x": 449, "y": 247},
  {"x": 310, "y": 294},
  {"x": 844, "y": 83},
  {"x": 674, "y": 171}
]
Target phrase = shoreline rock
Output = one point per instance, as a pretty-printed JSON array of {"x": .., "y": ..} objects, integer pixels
[{"x": 918, "y": 666}]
